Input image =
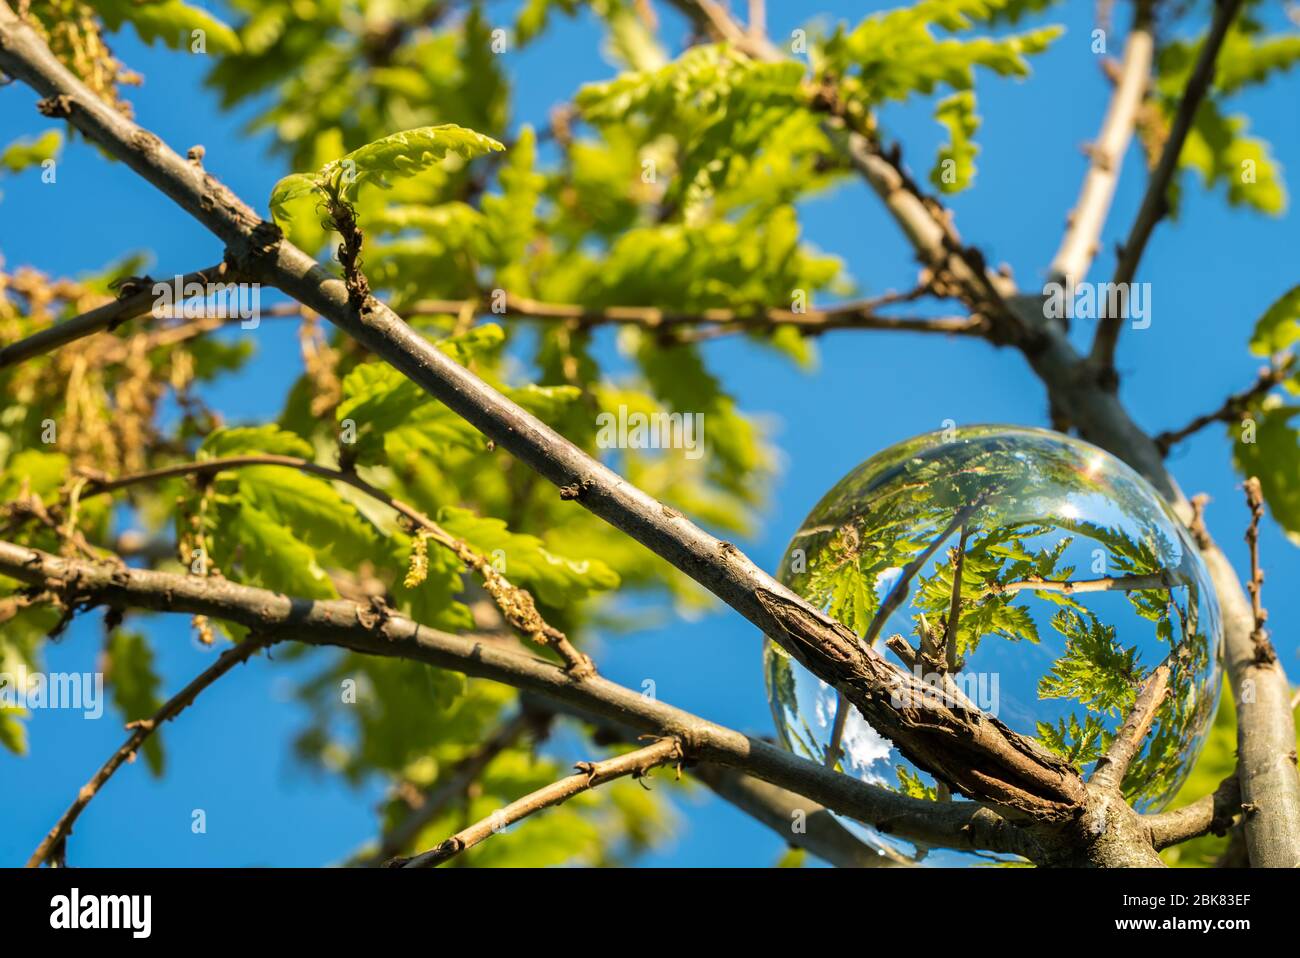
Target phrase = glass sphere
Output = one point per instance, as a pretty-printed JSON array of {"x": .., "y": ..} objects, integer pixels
[{"x": 1075, "y": 581}]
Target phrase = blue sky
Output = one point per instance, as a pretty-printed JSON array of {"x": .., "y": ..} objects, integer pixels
[{"x": 1213, "y": 272}]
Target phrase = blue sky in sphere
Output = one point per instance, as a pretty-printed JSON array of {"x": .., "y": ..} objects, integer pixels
[{"x": 1213, "y": 272}]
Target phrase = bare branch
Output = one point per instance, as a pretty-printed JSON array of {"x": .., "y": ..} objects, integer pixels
[
  {"x": 1112, "y": 766},
  {"x": 107, "y": 317},
  {"x": 1234, "y": 407},
  {"x": 53, "y": 843},
  {"x": 1155, "y": 204},
  {"x": 365, "y": 629},
  {"x": 853, "y": 315},
  {"x": 782, "y": 810},
  {"x": 1083, "y": 236},
  {"x": 637, "y": 764},
  {"x": 1119, "y": 583},
  {"x": 1264, "y": 652},
  {"x": 447, "y": 790}
]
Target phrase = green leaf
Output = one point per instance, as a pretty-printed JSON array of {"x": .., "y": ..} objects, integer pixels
[
  {"x": 252, "y": 440},
  {"x": 268, "y": 555},
  {"x": 955, "y": 165},
  {"x": 525, "y": 560},
  {"x": 1279, "y": 327},
  {"x": 22, "y": 153},
  {"x": 1274, "y": 457},
  {"x": 293, "y": 187},
  {"x": 407, "y": 153},
  {"x": 134, "y": 685},
  {"x": 1095, "y": 669},
  {"x": 175, "y": 23}
]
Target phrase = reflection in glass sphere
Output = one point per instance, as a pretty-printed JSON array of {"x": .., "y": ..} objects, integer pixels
[{"x": 1075, "y": 581}]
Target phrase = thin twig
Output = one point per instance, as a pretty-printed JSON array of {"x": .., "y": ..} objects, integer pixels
[
  {"x": 109, "y": 316},
  {"x": 52, "y": 844},
  {"x": 590, "y": 774},
  {"x": 1234, "y": 407},
  {"x": 445, "y": 791},
  {"x": 1264, "y": 651},
  {"x": 1083, "y": 235},
  {"x": 1120, "y": 583},
  {"x": 517, "y": 605},
  {"x": 1112, "y": 766},
  {"x": 1155, "y": 204}
]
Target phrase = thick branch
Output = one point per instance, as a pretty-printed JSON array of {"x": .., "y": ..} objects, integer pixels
[
  {"x": 976, "y": 753},
  {"x": 1081, "y": 240},
  {"x": 638, "y": 764},
  {"x": 363, "y": 629},
  {"x": 798, "y": 821},
  {"x": 53, "y": 843},
  {"x": 1155, "y": 204}
]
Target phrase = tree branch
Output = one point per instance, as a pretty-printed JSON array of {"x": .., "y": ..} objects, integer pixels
[
  {"x": 462, "y": 776},
  {"x": 637, "y": 764},
  {"x": 106, "y": 317},
  {"x": 784, "y": 812},
  {"x": 1264, "y": 652},
  {"x": 1234, "y": 407},
  {"x": 1112, "y": 766},
  {"x": 364, "y": 629},
  {"x": 1083, "y": 235},
  {"x": 1265, "y": 729},
  {"x": 976, "y": 753},
  {"x": 517, "y": 605},
  {"x": 1210, "y": 814},
  {"x": 1120, "y": 583},
  {"x": 1155, "y": 204},
  {"x": 53, "y": 843},
  {"x": 854, "y": 315}
]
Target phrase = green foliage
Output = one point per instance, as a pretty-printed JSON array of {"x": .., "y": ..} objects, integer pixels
[
  {"x": 1095, "y": 670},
  {"x": 1217, "y": 146},
  {"x": 1274, "y": 457},
  {"x": 1279, "y": 328},
  {"x": 134, "y": 684},
  {"x": 175, "y": 23},
  {"x": 894, "y": 54},
  {"x": 1079, "y": 744},
  {"x": 955, "y": 165},
  {"x": 23, "y": 153},
  {"x": 396, "y": 156}
]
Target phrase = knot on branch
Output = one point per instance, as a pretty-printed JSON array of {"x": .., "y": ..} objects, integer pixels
[{"x": 58, "y": 107}]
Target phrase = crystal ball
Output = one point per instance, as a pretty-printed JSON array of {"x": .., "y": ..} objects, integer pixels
[{"x": 1040, "y": 575}]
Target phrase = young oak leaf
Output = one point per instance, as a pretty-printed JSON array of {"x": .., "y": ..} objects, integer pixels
[{"x": 396, "y": 156}]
